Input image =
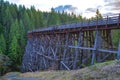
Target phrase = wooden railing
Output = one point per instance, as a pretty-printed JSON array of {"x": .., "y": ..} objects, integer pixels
[{"x": 115, "y": 19}]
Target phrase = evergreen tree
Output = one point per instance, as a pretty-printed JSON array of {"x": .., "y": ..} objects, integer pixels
[
  {"x": 98, "y": 14},
  {"x": 39, "y": 19},
  {"x": 14, "y": 53},
  {"x": 26, "y": 21},
  {"x": 7, "y": 20},
  {"x": 14, "y": 48},
  {"x": 15, "y": 30},
  {"x": 2, "y": 44},
  {"x": 22, "y": 41},
  {"x": 53, "y": 18},
  {"x": 1, "y": 28},
  {"x": 64, "y": 17},
  {"x": 14, "y": 11}
]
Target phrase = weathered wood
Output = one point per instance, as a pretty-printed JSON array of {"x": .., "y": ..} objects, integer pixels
[
  {"x": 95, "y": 47},
  {"x": 84, "y": 48},
  {"x": 107, "y": 51},
  {"x": 47, "y": 57},
  {"x": 77, "y": 50},
  {"x": 66, "y": 46},
  {"x": 65, "y": 65}
]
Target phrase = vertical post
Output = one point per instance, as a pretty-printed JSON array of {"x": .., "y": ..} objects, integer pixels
[
  {"x": 96, "y": 45},
  {"x": 97, "y": 23},
  {"x": 118, "y": 24},
  {"x": 88, "y": 23},
  {"x": 107, "y": 21},
  {"x": 81, "y": 22},
  {"x": 77, "y": 50},
  {"x": 93, "y": 58},
  {"x": 66, "y": 47},
  {"x": 118, "y": 54}
]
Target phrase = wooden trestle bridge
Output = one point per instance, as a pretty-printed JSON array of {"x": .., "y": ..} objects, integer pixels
[{"x": 71, "y": 46}]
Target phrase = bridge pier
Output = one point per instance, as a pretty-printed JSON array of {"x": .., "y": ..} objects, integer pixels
[{"x": 67, "y": 51}]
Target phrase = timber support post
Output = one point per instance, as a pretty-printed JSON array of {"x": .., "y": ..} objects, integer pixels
[{"x": 96, "y": 46}]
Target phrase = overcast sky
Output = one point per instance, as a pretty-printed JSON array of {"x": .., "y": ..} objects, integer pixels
[{"x": 85, "y": 7}]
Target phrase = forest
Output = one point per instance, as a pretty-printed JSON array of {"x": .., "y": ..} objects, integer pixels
[{"x": 16, "y": 21}]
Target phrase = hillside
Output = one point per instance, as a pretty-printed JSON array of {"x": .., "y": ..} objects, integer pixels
[{"x": 101, "y": 71}]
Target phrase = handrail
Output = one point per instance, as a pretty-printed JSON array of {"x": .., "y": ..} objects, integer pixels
[{"x": 88, "y": 23}]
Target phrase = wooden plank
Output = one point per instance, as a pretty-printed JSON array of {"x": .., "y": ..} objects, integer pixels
[
  {"x": 53, "y": 52},
  {"x": 84, "y": 48},
  {"x": 44, "y": 62},
  {"x": 47, "y": 57},
  {"x": 65, "y": 65},
  {"x": 107, "y": 51},
  {"x": 93, "y": 57}
]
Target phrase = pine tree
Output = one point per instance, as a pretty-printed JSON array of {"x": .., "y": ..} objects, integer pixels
[
  {"x": 22, "y": 41},
  {"x": 53, "y": 18},
  {"x": 14, "y": 48},
  {"x": 98, "y": 14},
  {"x": 1, "y": 28},
  {"x": 14, "y": 30},
  {"x": 27, "y": 22},
  {"x": 15, "y": 54},
  {"x": 2, "y": 44}
]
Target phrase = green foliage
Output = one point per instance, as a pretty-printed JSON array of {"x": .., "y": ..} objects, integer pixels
[
  {"x": 14, "y": 30},
  {"x": 116, "y": 37},
  {"x": 1, "y": 28},
  {"x": 15, "y": 54},
  {"x": 2, "y": 44},
  {"x": 97, "y": 16},
  {"x": 53, "y": 18}
]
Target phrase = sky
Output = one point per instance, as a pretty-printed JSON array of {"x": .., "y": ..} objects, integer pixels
[{"x": 85, "y": 8}]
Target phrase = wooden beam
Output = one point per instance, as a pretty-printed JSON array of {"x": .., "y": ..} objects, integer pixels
[
  {"x": 65, "y": 65},
  {"x": 95, "y": 47},
  {"x": 107, "y": 51},
  {"x": 66, "y": 46},
  {"x": 47, "y": 57},
  {"x": 84, "y": 48},
  {"x": 77, "y": 50}
]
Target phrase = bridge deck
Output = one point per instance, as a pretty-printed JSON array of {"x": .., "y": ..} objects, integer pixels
[{"x": 105, "y": 23}]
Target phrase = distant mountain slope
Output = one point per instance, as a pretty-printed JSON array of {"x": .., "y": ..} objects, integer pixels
[{"x": 102, "y": 71}]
